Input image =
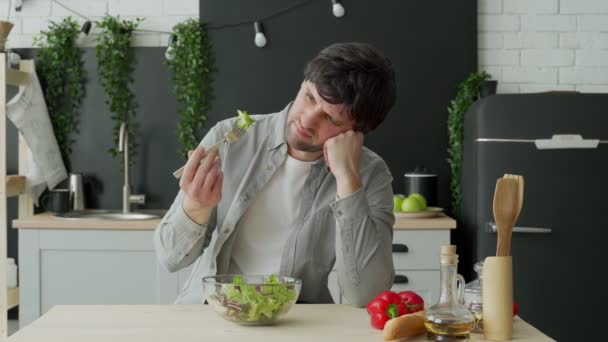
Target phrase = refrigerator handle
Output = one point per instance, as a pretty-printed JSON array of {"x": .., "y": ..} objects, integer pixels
[
  {"x": 491, "y": 228},
  {"x": 561, "y": 141}
]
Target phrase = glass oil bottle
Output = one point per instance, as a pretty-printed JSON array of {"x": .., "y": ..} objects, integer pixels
[{"x": 449, "y": 320}]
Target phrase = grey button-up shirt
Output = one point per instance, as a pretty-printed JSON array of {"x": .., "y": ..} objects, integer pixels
[{"x": 354, "y": 234}]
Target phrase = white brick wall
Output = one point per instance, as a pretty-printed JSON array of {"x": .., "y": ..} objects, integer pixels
[
  {"x": 527, "y": 45},
  {"x": 159, "y": 15},
  {"x": 540, "y": 45}
]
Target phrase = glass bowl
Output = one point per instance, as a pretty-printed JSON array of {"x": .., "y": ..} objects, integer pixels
[{"x": 251, "y": 299}]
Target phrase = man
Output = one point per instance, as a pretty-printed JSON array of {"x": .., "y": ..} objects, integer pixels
[{"x": 298, "y": 192}]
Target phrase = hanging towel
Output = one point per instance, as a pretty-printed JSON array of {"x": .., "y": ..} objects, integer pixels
[{"x": 28, "y": 111}]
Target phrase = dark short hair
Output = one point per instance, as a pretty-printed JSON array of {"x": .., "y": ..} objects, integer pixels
[{"x": 357, "y": 75}]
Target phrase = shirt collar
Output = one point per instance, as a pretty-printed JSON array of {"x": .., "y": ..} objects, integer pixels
[{"x": 276, "y": 136}]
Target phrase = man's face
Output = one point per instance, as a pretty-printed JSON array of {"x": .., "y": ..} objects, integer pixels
[{"x": 312, "y": 120}]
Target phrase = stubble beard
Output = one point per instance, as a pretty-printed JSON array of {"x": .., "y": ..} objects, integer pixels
[{"x": 294, "y": 142}]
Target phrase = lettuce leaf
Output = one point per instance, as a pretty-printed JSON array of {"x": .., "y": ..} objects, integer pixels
[
  {"x": 244, "y": 120},
  {"x": 260, "y": 301}
]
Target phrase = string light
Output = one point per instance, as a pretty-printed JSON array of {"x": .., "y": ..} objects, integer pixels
[
  {"x": 337, "y": 9},
  {"x": 170, "y": 52},
  {"x": 86, "y": 28},
  {"x": 13, "y": 58},
  {"x": 260, "y": 37},
  {"x": 18, "y": 4}
]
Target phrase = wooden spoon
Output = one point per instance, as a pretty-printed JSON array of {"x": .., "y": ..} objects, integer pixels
[
  {"x": 505, "y": 208},
  {"x": 520, "y": 200}
]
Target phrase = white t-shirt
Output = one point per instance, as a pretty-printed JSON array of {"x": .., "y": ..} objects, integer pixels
[{"x": 267, "y": 223}]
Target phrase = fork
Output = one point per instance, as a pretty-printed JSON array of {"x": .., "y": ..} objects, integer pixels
[{"x": 233, "y": 135}]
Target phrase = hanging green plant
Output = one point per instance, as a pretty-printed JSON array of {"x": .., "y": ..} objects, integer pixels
[
  {"x": 116, "y": 62},
  {"x": 468, "y": 92},
  {"x": 190, "y": 59},
  {"x": 60, "y": 68}
]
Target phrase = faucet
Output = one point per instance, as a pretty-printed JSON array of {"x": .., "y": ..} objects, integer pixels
[{"x": 127, "y": 197}]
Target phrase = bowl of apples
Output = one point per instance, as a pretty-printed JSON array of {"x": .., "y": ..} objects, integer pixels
[{"x": 413, "y": 206}]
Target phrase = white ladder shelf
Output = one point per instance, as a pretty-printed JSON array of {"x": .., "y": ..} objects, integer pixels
[{"x": 10, "y": 185}]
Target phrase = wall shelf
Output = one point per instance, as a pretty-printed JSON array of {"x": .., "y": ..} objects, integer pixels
[
  {"x": 12, "y": 298},
  {"x": 11, "y": 185},
  {"x": 15, "y": 185}
]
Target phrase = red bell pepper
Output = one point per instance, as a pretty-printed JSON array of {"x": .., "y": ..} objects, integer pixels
[
  {"x": 412, "y": 300},
  {"x": 385, "y": 306}
]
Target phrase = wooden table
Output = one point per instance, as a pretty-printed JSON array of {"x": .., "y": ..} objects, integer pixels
[{"x": 185, "y": 323}]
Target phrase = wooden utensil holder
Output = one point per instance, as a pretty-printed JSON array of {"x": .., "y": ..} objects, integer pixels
[{"x": 497, "y": 289}]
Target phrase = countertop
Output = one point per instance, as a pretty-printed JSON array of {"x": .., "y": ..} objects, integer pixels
[
  {"x": 47, "y": 220},
  {"x": 185, "y": 323}
]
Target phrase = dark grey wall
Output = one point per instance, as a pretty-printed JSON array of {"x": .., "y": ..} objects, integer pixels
[
  {"x": 432, "y": 43},
  {"x": 157, "y": 155}
]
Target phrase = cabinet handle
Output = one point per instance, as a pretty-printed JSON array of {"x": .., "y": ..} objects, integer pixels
[
  {"x": 400, "y": 248},
  {"x": 400, "y": 279}
]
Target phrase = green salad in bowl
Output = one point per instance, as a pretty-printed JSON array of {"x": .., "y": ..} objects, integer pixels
[{"x": 251, "y": 299}]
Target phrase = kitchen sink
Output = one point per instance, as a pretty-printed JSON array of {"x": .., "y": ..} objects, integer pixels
[{"x": 115, "y": 215}]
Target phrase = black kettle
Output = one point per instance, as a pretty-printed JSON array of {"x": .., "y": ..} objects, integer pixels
[{"x": 424, "y": 182}]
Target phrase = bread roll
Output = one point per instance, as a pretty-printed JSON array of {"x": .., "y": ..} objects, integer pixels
[{"x": 404, "y": 326}]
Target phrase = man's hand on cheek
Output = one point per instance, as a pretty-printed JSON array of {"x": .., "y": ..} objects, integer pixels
[{"x": 342, "y": 154}]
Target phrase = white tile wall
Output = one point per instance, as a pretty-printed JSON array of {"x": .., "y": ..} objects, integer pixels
[
  {"x": 159, "y": 15},
  {"x": 540, "y": 45}
]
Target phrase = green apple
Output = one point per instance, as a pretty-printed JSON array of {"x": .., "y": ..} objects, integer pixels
[
  {"x": 420, "y": 199},
  {"x": 411, "y": 204},
  {"x": 397, "y": 201}
]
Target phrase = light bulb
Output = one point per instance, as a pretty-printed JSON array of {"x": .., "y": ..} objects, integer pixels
[
  {"x": 170, "y": 52},
  {"x": 81, "y": 38},
  {"x": 260, "y": 37},
  {"x": 84, "y": 32},
  {"x": 14, "y": 58},
  {"x": 337, "y": 9}
]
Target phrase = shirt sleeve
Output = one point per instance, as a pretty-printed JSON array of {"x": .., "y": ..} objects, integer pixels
[
  {"x": 364, "y": 233},
  {"x": 179, "y": 241}
]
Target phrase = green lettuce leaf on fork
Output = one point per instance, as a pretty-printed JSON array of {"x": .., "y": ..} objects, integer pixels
[{"x": 244, "y": 120}]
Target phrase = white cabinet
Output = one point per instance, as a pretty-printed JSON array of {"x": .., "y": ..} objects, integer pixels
[
  {"x": 416, "y": 260},
  {"x": 72, "y": 266},
  {"x": 118, "y": 266}
]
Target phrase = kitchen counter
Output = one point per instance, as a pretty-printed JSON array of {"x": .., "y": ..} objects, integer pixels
[
  {"x": 47, "y": 220},
  {"x": 440, "y": 222},
  {"x": 184, "y": 323}
]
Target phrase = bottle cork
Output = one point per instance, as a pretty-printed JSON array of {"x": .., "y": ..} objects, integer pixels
[
  {"x": 448, "y": 255},
  {"x": 448, "y": 250}
]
